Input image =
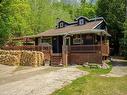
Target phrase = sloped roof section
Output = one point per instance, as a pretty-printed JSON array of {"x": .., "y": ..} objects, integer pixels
[{"x": 68, "y": 29}]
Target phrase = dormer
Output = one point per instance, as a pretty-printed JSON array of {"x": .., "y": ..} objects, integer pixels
[
  {"x": 62, "y": 24},
  {"x": 82, "y": 20}
]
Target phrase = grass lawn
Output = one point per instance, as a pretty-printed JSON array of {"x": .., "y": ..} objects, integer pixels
[{"x": 93, "y": 84}]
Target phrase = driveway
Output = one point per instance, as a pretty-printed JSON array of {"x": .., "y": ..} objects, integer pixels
[
  {"x": 38, "y": 82},
  {"x": 119, "y": 68},
  {"x": 10, "y": 74}
]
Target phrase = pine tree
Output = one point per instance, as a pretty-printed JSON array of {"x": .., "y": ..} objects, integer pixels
[{"x": 114, "y": 13}]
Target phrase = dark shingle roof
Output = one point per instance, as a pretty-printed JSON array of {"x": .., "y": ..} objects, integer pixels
[{"x": 63, "y": 31}]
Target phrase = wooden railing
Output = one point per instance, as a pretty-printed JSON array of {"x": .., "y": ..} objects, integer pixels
[
  {"x": 28, "y": 47},
  {"x": 84, "y": 48},
  {"x": 89, "y": 48}
]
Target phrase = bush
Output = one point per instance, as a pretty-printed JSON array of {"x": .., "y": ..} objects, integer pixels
[
  {"x": 26, "y": 58},
  {"x": 124, "y": 53},
  {"x": 9, "y": 60}
]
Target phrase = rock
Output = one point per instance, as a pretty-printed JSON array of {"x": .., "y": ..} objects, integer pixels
[
  {"x": 105, "y": 66},
  {"x": 86, "y": 64}
]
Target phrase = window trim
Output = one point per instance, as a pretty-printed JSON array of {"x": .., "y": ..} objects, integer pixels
[
  {"x": 81, "y": 22},
  {"x": 61, "y": 24}
]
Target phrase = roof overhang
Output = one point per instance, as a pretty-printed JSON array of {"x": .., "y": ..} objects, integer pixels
[
  {"x": 90, "y": 31},
  {"x": 86, "y": 31}
]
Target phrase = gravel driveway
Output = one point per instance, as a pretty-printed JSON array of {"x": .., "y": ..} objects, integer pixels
[
  {"x": 119, "y": 68},
  {"x": 42, "y": 84}
]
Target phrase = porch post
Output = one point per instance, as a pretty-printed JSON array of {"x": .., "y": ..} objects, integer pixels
[
  {"x": 65, "y": 52},
  {"x": 101, "y": 45}
]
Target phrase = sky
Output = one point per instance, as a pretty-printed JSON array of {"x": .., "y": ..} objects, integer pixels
[{"x": 72, "y": 1}]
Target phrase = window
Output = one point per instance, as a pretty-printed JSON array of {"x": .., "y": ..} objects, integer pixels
[
  {"x": 46, "y": 41},
  {"x": 61, "y": 24},
  {"x": 77, "y": 40},
  {"x": 81, "y": 22}
]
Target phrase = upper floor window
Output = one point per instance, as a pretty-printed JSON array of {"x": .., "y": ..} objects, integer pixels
[
  {"x": 81, "y": 22},
  {"x": 61, "y": 24}
]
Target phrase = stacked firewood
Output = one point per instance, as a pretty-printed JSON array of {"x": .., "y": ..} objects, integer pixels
[
  {"x": 9, "y": 60},
  {"x": 40, "y": 58},
  {"x": 25, "y": 58},
  {"x": 28, "y": 58}
]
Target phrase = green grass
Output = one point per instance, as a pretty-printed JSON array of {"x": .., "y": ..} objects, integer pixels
[
  {"x": 96, "y": 71},
  {"x": 93, "y": 84}
]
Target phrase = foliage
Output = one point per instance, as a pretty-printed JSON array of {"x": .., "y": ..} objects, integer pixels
[
  {"x": 14, "y": 19},
  {"x": 109, "y": 9},
  {"x": 27, "y": 17},
  {"x": 123, "y": 41},
  {"x": 19, "y": 17},
  {"x": 4, "y": 30},
  {"x": 86, "y": 9},
  {"x": 114, "y": 13},
  {"x": 45, "y": 14}
]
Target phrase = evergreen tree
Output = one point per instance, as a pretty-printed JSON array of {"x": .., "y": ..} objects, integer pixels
[{"x": 114, "y": 13}]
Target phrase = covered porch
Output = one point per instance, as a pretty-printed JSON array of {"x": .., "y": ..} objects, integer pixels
[
  {"x": 77, "y": 47},
  {"x": 66, "y": 48}
]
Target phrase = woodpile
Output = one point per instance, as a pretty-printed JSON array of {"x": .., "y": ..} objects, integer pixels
[
  {"x": 28, "y": 58},
  {"x": 40, "y": 58},
  {"x": 25, "y": 58},
  {"x": 9, "y": 60}
]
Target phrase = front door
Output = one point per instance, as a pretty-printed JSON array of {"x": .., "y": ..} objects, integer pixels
[{"x": 57, "y": 42}]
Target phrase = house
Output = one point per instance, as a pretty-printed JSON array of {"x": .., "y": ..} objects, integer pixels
[{"x": 84, "y": 40}]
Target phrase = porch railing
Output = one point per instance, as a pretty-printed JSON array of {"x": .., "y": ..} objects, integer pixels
[
  {"x": 89, "y": 48},
  {"x": 84, "y": 48}
]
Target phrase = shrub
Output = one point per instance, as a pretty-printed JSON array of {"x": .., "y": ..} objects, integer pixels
[{"x": 124, "y": 53}]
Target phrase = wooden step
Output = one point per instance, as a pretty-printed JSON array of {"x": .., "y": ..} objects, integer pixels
[{"x": 56, "y": 59}]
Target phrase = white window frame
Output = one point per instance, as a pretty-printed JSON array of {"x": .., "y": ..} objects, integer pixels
[
  {"x": 77, "y": 41},
  {"x": 61, "y": 24},
  {"x": 81, "y": 21}
]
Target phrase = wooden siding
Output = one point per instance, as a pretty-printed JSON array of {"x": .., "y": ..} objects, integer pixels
[
  {"x": 79, "y": 54},
  {"x": 105, "y": 50},
  {"x": 81, "y": 58}
]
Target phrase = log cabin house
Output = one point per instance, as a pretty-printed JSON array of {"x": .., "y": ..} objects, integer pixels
[{"x": 78, "y": 42}]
